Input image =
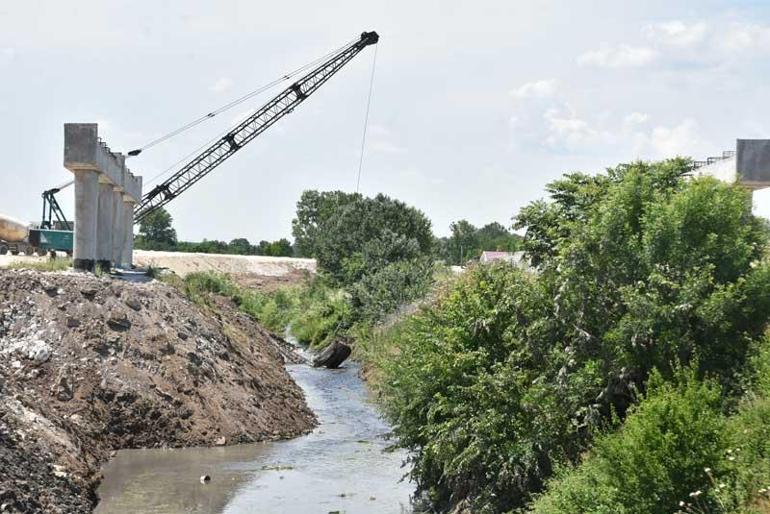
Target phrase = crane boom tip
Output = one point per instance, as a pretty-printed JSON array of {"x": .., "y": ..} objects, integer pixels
[{"x": 369, "y": 38}]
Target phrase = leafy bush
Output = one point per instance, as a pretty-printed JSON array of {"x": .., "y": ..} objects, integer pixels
[
  {"x": 265, "y": 308},
  {"x": 657, "y": 459},
  {"x": 464, "y": 394},
  {"x": 378, "y": 294},
  {"x": 510, "y": 375}
]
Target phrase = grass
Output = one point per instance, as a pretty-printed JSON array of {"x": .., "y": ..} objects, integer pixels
[
  {"x": 316, "y": 312},
  {"x": 47, "y": 265}
]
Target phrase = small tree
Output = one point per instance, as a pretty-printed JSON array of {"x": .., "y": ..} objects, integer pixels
[
  {"x": 240, "y": 246},
  {"x": 351, "y": 235},
  {"x": 156, "y": 232}
]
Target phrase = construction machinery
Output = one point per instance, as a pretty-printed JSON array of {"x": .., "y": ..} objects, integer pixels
[
  {"x": 235, "y": 139},
  {"x": 55, "y": 232}
]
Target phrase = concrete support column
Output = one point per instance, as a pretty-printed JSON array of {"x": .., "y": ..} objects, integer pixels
[
  {"x": 86, "y": 203},
  {"x": 104, "y": 226},
  {"x": 118, "y": 228},
  {"x": 128, "y": 231}
]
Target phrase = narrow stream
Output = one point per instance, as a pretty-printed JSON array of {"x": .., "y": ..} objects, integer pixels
[{"x": 342, "y": 466}]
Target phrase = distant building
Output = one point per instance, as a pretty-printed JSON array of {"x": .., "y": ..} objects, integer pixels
[
  {"x": 748, "y": 164},
  {"x": 518, "y": 259}
]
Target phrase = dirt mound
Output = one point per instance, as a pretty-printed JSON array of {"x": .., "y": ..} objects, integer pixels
[{"x": 90, "y": 365}]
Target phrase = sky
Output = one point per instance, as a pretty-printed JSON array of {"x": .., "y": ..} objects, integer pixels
[{"x": 475, "y": 107}]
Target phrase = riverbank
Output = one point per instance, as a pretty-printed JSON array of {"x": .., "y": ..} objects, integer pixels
[
  {"x": 91, "y": 365},
  {"x": 344, "y": 465}
]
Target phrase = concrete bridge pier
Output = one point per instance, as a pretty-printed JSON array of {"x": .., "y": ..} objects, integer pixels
[
  {"x": 105, "y": 194},
  {"x": 105, "y": 226},
  {"x": 128, "y": 231},
  {"x": 118, "y": 225},
  {"x": 86, "y": 202}
]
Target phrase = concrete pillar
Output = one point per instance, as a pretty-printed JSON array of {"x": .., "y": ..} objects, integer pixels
[
  {"x": 128, "y": 233},
  {"x": 86, "y": 204},
  {"x": 117, "y": 225},
  {"x": 104, "y": 226}
]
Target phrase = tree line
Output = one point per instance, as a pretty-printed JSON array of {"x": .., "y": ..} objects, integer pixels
[{"x": 156, "y": 232}]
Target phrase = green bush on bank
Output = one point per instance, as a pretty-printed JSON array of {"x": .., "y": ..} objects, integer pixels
[
  {"x": 510, "y": 376},
  {"x": 657, "y": 459},
  {"x": 676, "y": 452},
  {"x": 316, "y": 311}
]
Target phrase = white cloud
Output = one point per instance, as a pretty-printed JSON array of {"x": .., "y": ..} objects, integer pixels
[
  {"x": 717, "y": 38},
  {"x": 543, "y": 118},
  {"x": 663, "y": 142},
  {"x": 538, "y": 89},
  {"x": 635, "y": 118},
  {"x": 568, "y": 132},
  {"x": 222, "y": 84},
  {"x": 622, "y": 56},
  {"x": 677, "y": 33},
  {"x": 738, "y": 37}
]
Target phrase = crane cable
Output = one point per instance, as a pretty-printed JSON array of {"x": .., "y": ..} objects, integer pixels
[
  {"x": 235, "y": 102},
  {"x": 366, "y": 119}
]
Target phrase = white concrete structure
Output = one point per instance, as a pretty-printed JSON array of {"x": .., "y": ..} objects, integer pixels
[
  {"x": 748, "y": 165},
  {"x": 104, "y": 190}
]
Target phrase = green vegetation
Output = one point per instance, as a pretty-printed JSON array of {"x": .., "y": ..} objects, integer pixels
[
  {"x": 58, "y": 264},
  {"x": 374, "y": 255},
  {"x": 650, "y": 291},
  {"x": 156, "y": 233},
  {"x": 658, "y": 457},
  {"x": 676, "y": 452},
  {"x": 353, "y": 237},
  {"x": 627, "y": 374},
  {"x": 467, "y": 242},
  {"x": 317, "y": 313}
]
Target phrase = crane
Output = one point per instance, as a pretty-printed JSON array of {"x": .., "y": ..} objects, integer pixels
[
  {"x": 219, "y": 151},
  {"x": 52, "y": 210}
]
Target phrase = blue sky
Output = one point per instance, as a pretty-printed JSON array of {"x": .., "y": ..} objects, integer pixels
[{"x": 476, "y": 105}]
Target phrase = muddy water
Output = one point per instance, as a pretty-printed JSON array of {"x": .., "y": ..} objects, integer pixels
[{"x": 342, "y": 466}]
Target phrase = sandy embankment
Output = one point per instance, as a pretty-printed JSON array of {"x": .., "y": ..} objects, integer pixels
[{"x": 185, "y": 263}]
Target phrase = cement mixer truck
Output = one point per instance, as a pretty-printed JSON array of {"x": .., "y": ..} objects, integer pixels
[
  {"x": 14, "y": 237},
  {"x": 17, "y": 238}
]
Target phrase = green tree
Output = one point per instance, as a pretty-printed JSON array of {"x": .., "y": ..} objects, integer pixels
[
  {"x": 466, "y": 242},
  {"x": 240, "y": 246},
  {"x": 280, "y": 248},
  {"x": 463, "y": 243},
  {"x": 351, "y": 235},
  {"x": 156, "y": 232}
]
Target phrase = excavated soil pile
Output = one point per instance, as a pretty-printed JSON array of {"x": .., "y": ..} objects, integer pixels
[{"x": 90, "y": 365}]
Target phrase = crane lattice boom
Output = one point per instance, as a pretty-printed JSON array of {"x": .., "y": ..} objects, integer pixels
[{"x": 250, "y": 128}]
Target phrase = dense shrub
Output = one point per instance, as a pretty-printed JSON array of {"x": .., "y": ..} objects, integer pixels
[
  {"x": 379, "y": 293},
  {"x": 510, "y": 375},
  {"x": 657, "y": 459}
]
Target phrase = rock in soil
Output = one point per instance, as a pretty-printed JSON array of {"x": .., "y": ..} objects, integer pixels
[{"x": 90, "y": 365}]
